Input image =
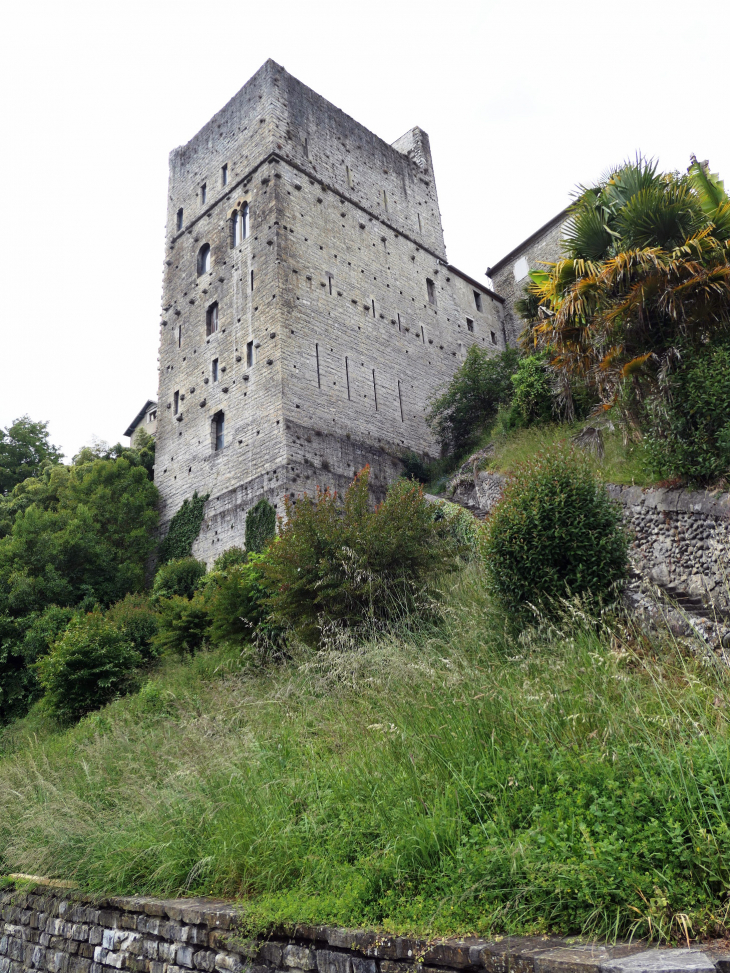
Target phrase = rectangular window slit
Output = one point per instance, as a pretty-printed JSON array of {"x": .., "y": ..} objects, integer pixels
[
  {"x": 373, "y": 307},
  {"x": 224, "y": 175},
  {"x": 400, "y": 402},
  {"x": 399, "y": 327},
  {"x": 423, "y": 335},
  {"x": 214, "y": 369},
  {"x": 420, "y": 229},
  {"x": 494, "y": 337},
  {"x": 478, "y": 300},
  {"x": 249, "y": 354},
  {"x": 431, "y": 290},
  {"x": 176, "y": 403},
  {"x": 330, "y": 282},
  {"x": 349, "y": 176},
  {"x": 203, "y": 194},
  {"x": 347, "y": 377},
  {"x": 252, "y": 282},
  {"x": 375, "y": 392},
  {"x": 316, "y": 353},
  {"x": 179, "y": 336},
  {"x": 385, "y": 201}
]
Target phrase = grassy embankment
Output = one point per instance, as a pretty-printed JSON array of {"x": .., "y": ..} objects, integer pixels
[
  {"x": 622, "y": 463},
  {"x": 442, "y": 780}
]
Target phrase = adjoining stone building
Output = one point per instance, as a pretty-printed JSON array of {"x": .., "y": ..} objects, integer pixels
[
  {"x": 309, "y": 308},
  {"x": 509, "y": 276},
  {"x": 145, "y": 419}
]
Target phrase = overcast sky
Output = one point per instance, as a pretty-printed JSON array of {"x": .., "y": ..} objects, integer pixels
[{"x": 522, "y": 100}]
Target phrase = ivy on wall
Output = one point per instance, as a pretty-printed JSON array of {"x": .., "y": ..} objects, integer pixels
[
  {"x": 260, "y": 526},
  {"x": 184, "y": 529}
]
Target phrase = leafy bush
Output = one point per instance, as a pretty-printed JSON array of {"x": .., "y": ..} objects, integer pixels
[
  {"x": 469, "y": 404},
  {"x": 179, "y": 577},
  {"x": 183, "y": 626},
  {"x": 343, "y": 564},
  {"x": 260, "y": 526},
  {"x": 555, "y": 533},
  {"x": 690, "y": 436},
  {"x": 91, "y": 664},
  {"x": 138, "y": 620},
  {"x": 461, "y": 525},
  {"x": 184, "y": 529},
  {"x": 532, "y": 401},
  {"x": 415, "y": 467},
  {"x": 230, "y": 558},
  {"x": 237, "y": 601}
]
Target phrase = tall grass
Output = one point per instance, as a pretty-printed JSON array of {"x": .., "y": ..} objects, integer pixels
[{"x": 460, "y": 778}]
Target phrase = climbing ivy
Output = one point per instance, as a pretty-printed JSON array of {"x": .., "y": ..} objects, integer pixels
[
  {"x": 260, "y": 526},
  {"x": 184, "y": 528}
]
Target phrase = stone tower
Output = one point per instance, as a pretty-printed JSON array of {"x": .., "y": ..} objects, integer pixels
[{"x": 309, "y": 311}]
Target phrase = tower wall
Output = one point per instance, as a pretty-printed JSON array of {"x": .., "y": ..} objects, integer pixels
[{"x": 356, "y": 317}]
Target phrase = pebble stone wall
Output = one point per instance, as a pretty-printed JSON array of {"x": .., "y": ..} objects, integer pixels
[
  {"x": 61, "y": 932},
  {"x": 339, "y": 315}
]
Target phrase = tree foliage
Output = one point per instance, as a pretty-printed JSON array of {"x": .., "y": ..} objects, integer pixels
[
  {"x": 72, "y": 537},
  {"x": 470, "y": 403},
  {"x": 645, "y": 273},
  {"x": 24, "y": 451}
]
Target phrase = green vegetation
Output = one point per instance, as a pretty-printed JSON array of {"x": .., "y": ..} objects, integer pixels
[
  {"x": 441, "y": 778},
  {"x": 260, "y": 526},
  {"x": 345, "y": 566},
  {"x": 183, "y": 530},
  {"x": 24, "y": 452},
  {"x": 71, "y": 538},
  {"x": 555, "y": 535}
]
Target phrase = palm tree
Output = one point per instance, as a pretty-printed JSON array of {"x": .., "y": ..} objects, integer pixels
[{"x": 645, "y": 274}]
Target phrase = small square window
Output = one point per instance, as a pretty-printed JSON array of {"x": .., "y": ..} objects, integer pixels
[{"x": 469, "y": 324}]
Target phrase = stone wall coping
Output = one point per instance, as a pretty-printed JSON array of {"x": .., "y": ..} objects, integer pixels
[{"x": 201, "y": 935}]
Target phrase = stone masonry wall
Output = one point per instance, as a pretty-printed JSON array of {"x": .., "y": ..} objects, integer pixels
[
  {"x": 541, "y": 246},
  {"x": 61, "y": 932},
  {"x": 681, "y": 540}
]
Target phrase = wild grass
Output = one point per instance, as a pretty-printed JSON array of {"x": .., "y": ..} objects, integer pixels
[
  {"x": 430, "y": 779},
  {"x": 622, "y": 463}
]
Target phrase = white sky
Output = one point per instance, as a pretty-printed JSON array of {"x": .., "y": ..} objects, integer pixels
[{"x": 521, "y": 99}]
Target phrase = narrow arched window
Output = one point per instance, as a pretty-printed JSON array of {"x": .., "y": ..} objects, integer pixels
[
  {"x": 211, "y": 319},
  {"x": 179, "y": 219},
  {"x": 204, "y": 259},
  {"x": 218, "y": 431},
  {"x": 236, "y": 240}
]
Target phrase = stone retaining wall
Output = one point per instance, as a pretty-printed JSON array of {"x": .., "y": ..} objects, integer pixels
[{"x": 62, "y": 932}]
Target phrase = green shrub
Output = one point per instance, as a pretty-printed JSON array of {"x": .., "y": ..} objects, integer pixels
[
  {"x": 343, "y": 564},
  {"x": 415, "y": 467},
  {"x": 180, "y": 577},
  {"x": 230, "y": 558},
  {"x": 689, "y": 436},
  {"x": 91, "y": 664},
  {"x": 184, "y": 625},
  {"x": 138, "y": 620},
  {"x": 532, "y": 401},
  {"x": 462, "y": 527},
  {"x": 555, "y": 533},
  {"x": 236, "y": 605},
  {"x": 469, "y": 404},
  {"x": 184, "y": 529},
  {"x": 260, "y": 526}
]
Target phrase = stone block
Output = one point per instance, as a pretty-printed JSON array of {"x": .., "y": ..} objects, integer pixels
[
  {"x": 516, "y": 954},
  {"x": 329, "y": 961},
  {"x": 228, "y": 964},
  {"x": 661, "y": 961},
  {"x": 454, "y": 954},
  {"x": 300, "y": 957},
  {"x": 272, "y": 953},
  {"x": 580, "y": 959},
  {"x": 362, "y": 965},
  {"x": 204, "y": 959},
  {"x": 184, "y": 956}
]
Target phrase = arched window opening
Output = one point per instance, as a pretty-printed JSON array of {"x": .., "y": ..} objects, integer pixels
[
  {"x": 240, "y": 225},
  {"x": 204, "y": 259},
  {"x": 211, "y": 319},
  {"x": 179, "y": 220},
  {"x": 218, "y": 431},
  {"x": 244, "y": 221}
]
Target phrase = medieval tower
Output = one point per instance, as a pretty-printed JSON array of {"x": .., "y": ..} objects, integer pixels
[{"x": 309, "y": 310}]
